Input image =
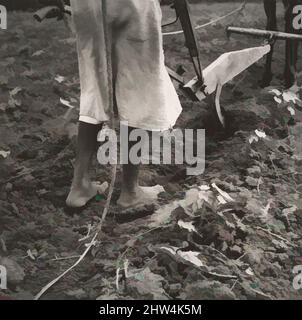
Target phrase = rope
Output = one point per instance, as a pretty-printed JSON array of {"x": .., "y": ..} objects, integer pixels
[
  {"x": 208, "y": 23},
  {"x": 108, "y": 45}
]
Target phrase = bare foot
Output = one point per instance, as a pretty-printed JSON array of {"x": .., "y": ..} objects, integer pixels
[
  {"x": 142, "y": 196},
  {"x": 80, "y": 195}
]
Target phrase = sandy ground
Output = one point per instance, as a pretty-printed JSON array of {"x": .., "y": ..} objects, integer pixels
[{"x": 197, "y": 249}]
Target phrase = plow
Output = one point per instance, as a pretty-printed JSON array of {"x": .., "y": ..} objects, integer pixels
[{"x": 207, "y": 81}]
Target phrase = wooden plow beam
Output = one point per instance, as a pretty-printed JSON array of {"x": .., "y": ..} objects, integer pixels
[{"x": 270, "y": 35}]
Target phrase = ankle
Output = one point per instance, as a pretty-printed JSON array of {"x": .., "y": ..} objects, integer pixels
[
  {"x": 81, "y": 182},
  {"x": 132, "y": 191}
]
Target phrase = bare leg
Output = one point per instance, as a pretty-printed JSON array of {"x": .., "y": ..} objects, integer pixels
[
  {"x": 82, "y": 189},
  {"x": 291, "y": 61},
  {"x": 132, "y": 194},
  {"x": 270, "y": 7}
]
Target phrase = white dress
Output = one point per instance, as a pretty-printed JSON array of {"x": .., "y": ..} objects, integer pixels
[{"x": 144, "y": 93}]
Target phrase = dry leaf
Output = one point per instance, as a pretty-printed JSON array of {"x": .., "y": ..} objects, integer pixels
[
  {"x": 59, "y": 78},
  {"x": 4, "y": 154},
  {"x": 224, "y": 194},
  {"x": 276, "y": 92},
  {"x": 67, "y": 103},
  {"x": 278, "y": 100},
  {"x": 38, "y": 53},
  {"x": 187, "y": 225},
  {"x": 260, "y": 133},
  {"x": 249, "y": 271},
  {"x": 290, "y": 96}
]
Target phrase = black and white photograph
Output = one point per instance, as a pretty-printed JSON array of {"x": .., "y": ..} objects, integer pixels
[{"x": 150, "y": 150}]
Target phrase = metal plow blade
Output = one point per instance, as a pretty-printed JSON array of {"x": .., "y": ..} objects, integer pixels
[{"x": 222, "y": 70}]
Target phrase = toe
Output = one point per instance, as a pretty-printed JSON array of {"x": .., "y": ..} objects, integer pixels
[
  {"x": 152, "y": 192},
  {"x": 145, "y": 196},
  {"x": 78, "y": 198},
  {"x": 73, "y": 202}
]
